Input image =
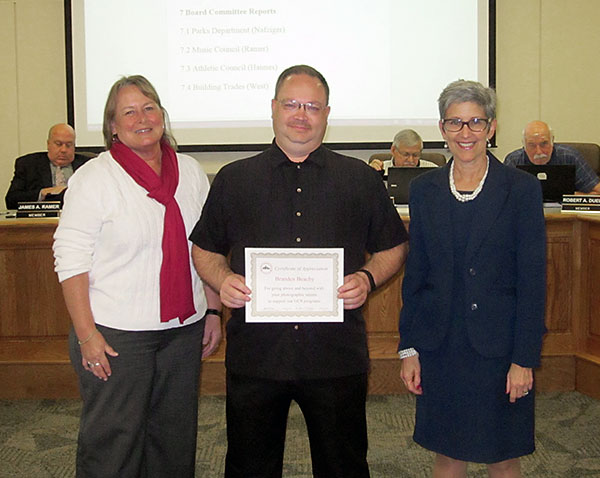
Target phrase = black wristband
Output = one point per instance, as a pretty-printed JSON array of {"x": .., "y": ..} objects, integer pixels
[
  {"x": 216, "y": 312},
  {"x": 370, "y": 277}
]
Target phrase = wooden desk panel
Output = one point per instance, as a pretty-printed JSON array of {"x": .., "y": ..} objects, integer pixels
[
  {"x": 559, "y": 277},
  {"x": 34, "y": 321},
  {"x": 593, "y": 271},
  {"x": 32, "y": 303},
  {"x": 381, "y": 309},
  {"x": 563, "y": 250},
  {"x": 590, "y": 325}
]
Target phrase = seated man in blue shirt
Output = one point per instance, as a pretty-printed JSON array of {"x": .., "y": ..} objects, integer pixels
[{"x": 538, "y": 148}]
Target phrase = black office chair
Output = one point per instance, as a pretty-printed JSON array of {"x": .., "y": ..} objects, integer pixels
[{"x": 589, "y": 151}]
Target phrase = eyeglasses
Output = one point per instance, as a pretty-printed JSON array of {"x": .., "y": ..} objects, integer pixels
[
  {"x": 454, "y": 125},
  {"x": 293, "y": 105},
  {"x": 405, "y": 155}
]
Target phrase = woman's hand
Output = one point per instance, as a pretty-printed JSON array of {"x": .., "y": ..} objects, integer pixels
[
  {"x": 93, "y": 356},
  {"x": 411, "y": 374},
  {"x": 519, "y": 381}
]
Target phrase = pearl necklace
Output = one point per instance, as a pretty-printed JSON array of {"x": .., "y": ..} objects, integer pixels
[{"x": 467, "y": 197}]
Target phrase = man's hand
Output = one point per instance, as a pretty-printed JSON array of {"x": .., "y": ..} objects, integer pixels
[
  {"x": 53, "y": 190},
  {"x": 212, "y": 335},
  {"x": 354, "y": 291},
  {"x": 234, "y": 293},
  {"x": 376, "y": 164}
]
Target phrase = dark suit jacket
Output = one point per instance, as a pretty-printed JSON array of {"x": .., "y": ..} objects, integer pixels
[
  {"x": 505, "y": 266},
  {"x": 32, "y": 173}
]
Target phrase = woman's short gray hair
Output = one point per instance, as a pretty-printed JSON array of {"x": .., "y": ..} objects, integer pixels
[
  {"x": 462, "y": 91},
  {"x": 110, "y": 109}
]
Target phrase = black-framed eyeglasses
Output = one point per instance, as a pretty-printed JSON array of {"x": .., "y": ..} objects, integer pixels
[
  {"x": 293, "y": 105},
  {"x": 454, "y": 125}
]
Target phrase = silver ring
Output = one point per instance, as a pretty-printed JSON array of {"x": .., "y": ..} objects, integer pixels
[
  {"x": 97, "y": 364},
  {"x": 524, "y": 393},
  {"x": 90, "y": 364}
]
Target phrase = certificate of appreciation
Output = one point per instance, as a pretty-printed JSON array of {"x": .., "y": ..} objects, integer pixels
[{"x": 294, "y": 284}]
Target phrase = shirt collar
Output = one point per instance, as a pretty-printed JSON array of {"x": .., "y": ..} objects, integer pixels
[
  {"x": 54, "y": 167},
  {"x": 278, "y": 157}
]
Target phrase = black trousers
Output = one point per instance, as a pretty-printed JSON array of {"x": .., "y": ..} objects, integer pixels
[
  {"x": 334, "y": 411},
  {"x": 143, "y": 421}
]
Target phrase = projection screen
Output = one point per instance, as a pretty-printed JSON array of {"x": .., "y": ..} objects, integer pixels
[{"x": 214, "y": 63}]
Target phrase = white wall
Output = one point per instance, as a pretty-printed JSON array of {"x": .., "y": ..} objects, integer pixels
[{"x": 547, "y": 68}]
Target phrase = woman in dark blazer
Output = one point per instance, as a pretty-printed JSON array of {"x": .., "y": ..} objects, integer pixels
[{"x": 472, "y": 320}]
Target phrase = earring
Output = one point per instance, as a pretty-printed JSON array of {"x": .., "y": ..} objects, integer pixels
[
  {"x": 489, "y": 144},
  {"x": 445, "y": 145},
  {"x": 115, "y": 138}
]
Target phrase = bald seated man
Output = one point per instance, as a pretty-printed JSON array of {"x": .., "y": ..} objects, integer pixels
[
  {"x": 406, "y": 152},
  {"x": 539, "y": 148},
  {"x": 44, "y": 176}
]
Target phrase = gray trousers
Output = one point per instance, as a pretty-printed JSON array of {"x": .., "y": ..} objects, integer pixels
[{"x": 143, "y": 421}]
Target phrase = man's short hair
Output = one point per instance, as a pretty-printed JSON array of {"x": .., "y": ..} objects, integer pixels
[
  {"x": 550, "y": 132},
  {"x": 407, "y": 137},
  {"x": 302, "y": 70},
  {"x": 54, "y": 126}
]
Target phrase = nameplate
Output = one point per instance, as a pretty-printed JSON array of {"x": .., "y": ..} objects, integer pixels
[
  {"x": 38, "y": 209},
  {"x": 581, "y": 203}
]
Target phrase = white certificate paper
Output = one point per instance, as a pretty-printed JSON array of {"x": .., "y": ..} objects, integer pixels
[{"x": 294, "y": 284}]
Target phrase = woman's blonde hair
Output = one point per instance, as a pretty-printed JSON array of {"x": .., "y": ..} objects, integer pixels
[{"x": 110, "y": 108}]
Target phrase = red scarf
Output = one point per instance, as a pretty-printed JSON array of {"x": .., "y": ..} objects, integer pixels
[{"x": 176, "y": 297}]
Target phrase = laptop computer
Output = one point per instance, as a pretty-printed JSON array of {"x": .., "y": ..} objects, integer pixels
[
  {"x": 399, "y": 180},
  {"x": 556, "y": 179}
]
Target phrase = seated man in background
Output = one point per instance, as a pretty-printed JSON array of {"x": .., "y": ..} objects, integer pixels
[
  {"x": 538, "y": 148},
  {"x": 44, "y": 176},
  {"x": 406, "y": 152}
]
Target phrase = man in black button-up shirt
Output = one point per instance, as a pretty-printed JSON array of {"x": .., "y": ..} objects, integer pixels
[{"x": 298, "y": 193}]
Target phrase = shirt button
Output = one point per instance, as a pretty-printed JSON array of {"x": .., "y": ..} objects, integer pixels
[
  {"x": 297, "y": 166},
  {"x": 474, "y": 307},
  {"x": 298, "y": 190},
  {"x": 472, "y": 271},
  {"x": 298, "y": 213},
  {"x": 298, "y": 239}
]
